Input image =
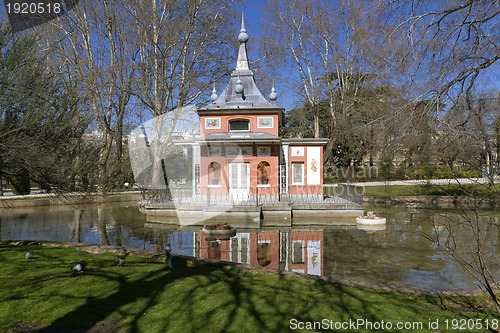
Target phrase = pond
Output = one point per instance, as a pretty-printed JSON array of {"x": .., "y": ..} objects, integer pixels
[{"x": 401, "y": 255}]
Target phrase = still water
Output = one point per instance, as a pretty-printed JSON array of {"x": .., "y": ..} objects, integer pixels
[{"x": 401, "y": 255}]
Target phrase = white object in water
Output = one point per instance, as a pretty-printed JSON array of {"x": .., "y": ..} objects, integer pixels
[
  {"x": 370, "y": 228},
  {"x": 370, "y": 219}
]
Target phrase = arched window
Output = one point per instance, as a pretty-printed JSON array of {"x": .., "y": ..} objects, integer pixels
[
  {"x": 239, "y": 125},
  {"x": 214, "y": 173},
  {"x": 263, "y": 173}
]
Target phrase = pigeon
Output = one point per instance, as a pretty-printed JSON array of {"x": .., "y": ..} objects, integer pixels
[
  {"x": 168, "y": 260},
  {"x": 121, "y": 262},
  {"x": 79, "y": 267},
  {"x": 30, "y": 255}
]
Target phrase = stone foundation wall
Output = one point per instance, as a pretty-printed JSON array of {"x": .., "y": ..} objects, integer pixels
[{"x": 433, "y": 202}]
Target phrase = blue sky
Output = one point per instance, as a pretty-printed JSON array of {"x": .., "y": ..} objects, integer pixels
[{"x": 253, "y": 11}]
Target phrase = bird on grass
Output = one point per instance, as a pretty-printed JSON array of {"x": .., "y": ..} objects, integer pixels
[
  {"x": 121, "y": 262},
  {"x": 168, "y": 260},
  {"x": 79, "y": 267},
  {"x": 30, "y": 255}
]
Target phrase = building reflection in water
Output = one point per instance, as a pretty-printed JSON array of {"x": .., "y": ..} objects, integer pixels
[{"x": 296, "y": 250}]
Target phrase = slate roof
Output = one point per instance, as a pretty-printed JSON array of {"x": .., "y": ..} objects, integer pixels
[{"x": 243, "y": 136}]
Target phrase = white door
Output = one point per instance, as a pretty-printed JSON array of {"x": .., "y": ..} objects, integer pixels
[{"x": 239, "y": 181}]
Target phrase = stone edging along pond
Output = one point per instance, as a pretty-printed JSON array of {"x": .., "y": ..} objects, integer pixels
[
  {"x": 50, "y": 200},
  {"x": 122, "y": 251},
  {"x": 429, "y": 201},
  {"x": 433, "y": 202}
]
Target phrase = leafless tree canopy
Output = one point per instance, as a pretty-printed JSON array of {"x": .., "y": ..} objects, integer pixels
[
  {"x": 386, "y": 72},
  {"x": 136, "y": 59}
]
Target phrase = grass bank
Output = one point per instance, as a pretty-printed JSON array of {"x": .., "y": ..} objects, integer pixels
[
  {"x": 479, "y": 190},
  {"x": 145, "y": 296}
]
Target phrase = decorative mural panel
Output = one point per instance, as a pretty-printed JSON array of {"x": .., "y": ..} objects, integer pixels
[
  {"x": 313, "y": 166},
  {"x": 239, "y": 150},
  {"x": 265, "y": 122},
  {"x": 247, "y": 151},
  {"x": 214, "y": 151},
  {"x": 232, "y": 150},
  {"x": 297, "y": 151},
  {"x": 264, "y": 151},
  {"x": 212, "y": 123}
]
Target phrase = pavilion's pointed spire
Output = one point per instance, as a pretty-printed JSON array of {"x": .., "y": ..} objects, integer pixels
[
  {"x": 243, "y": 37},
  {"x": 242, "y": 54},
  {"x": 241, "y": 91}
]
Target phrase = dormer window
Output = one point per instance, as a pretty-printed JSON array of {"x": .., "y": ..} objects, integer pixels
[{"x": 239, "y": 125}]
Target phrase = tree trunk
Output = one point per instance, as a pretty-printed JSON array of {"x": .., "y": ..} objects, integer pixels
[
  {"x": 119, "y": 152},
  {"x": 76, "y": 227},
  {"x": 316, "y": 121},
  {"x": 106, "y": 145},
  {"x": 328, "y": 155},
  {"x": 101, "y": 225}
]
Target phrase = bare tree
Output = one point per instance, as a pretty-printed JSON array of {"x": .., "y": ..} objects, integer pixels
[
  {"x": 475, "y": 253},
  {"x": 94, "y": 46},
  {"x": 452, "y": 42},
  {"x": 161, "y": 55},
  {"x": 183, "y": 50},
  {"x": 289, "y": 43},
  {"x": 342, "y": 53}
]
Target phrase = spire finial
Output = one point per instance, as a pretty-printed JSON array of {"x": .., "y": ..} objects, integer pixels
[
  {"x": 239, "y": 87},
  {"x": 273, "y": 96},
  {"x": 214, "y": 95},
  {"x": 243, "y": 37},
  {"x": 242, "y": 63}
]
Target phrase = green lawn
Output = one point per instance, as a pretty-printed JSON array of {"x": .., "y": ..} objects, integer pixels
[
  {"x": 453, "y": 190},
  {"x": 146, "y": 296}
]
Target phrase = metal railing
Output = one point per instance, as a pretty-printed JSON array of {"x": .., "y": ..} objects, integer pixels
[
  {"x": 252, "y": 196},
  {"x": 351, "y": 193}
]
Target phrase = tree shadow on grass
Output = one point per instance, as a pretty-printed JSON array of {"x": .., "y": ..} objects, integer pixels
[
  {"x": 193, "y": 298},
  {"x": 195, "y": 295},
  {"x": 144, "y": 292}
]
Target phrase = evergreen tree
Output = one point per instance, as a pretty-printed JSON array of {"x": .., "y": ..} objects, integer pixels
[{"x": 41, "y": 124}]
